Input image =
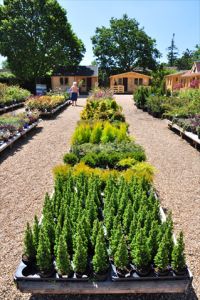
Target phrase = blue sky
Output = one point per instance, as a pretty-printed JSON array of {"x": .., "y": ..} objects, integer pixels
[{"x": 160, "y": 19}]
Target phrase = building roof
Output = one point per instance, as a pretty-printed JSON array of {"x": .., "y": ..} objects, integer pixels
[
  {"x": 76, "y": 71},
  {"x": 178, "y": 73},
  {"x": 129, "y": 74}
]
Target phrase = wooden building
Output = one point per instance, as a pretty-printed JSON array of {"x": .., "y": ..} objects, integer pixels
[
  {"x": 184, "y": 79},
  {"x": 86, "y": 76},
  {"x": 128, "y": 82}
]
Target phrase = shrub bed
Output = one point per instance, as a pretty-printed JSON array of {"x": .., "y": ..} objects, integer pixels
[
  {"x": 10, "y": 95},
  {"x": 46, "y": 104},
  {"x": 103, "y": 220}
]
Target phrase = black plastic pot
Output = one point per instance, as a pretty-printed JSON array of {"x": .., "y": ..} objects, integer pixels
[
  {"x": 143, "y": 271},
  {"x": 28, "y": 261},
  {"x": 101, "y": 276},
  {"x": 47, "y": 273}
]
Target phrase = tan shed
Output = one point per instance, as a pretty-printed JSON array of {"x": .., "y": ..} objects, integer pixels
[
  {"x": 128, "y": 82},
  {"x": 64, "y": 77}
]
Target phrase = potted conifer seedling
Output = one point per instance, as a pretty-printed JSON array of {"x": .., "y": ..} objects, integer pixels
[
  {"x": 178, "y": 257},
  {"x": 140, "y": 253},
  {"x": 121, "y": 260},
  {"x": 100, "y": 258},
  {"x": 161, "y": 259},
  {"x": 29, "y": 255},
  {"x": 44, "y": 257},
  {"x": 80, "y": 257},
  {"x": 63, "y": 264}
]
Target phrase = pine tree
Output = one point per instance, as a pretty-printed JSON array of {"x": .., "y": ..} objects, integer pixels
[
  {"x": 152, "y": 239},
  {"x": 29, "y": 248},
  {"x": 178, "y": 255},
  {"x": 172, "y": 54},
  {"x": 133, "y": 228},
  {"x": 44, "y": 258},
  {"x": 115, "y": 238},
  {"x": 100, "y": 258},
  {"x": 80, "y": 255},
  {"x": 63, "y": 263},
  {"x": 121, "y": 254},
  {"x": 67, "y": 232},
  {"x": 36, "y": 232}
]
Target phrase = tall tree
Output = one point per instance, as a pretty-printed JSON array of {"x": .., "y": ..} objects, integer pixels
[
  {"x": 172, "y": 52},
  {"x": 196, "y": 53},
  {"x": 124, "y": 45},
  {"x": 186, "y": 60},
  {"x": 35, "y": 36}
]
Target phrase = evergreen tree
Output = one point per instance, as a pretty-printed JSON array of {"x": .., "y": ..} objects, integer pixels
[
  {"x": 133, "y": 228},
  {"x": 80, "y": 255},
  {"x": 140, "y": 252},
  {"x": 36, "y": 232},
  {"x": 161, "y": 259},
  {"x": 58, "y": 232},
  {"x": 63, "y": 263},
  {"x": 67, "y": 232},
  {"x": 29, "y": 248},
  {"x": 152, "y": 239},
  {"x": 172, "y": 52},
  {"x": 100, "y": 258},
  {"x": 127, "y": 217},
  {"x": 49, "y": 223},
  {"x": 44, "y": 258},
  {"x": 178, "y": 255},
  {"x": 121, "y": 254},
  {"x": 115, "y": 238},
  {"x": 95, "y": 231}
]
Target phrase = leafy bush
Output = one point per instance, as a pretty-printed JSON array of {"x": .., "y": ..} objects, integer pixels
[
  {"x": 45, "y": 103},
  {"x": 12, "y": 94},
  {"x": 140, "y": 96},
  {"x": 155, "y": 105},
  {"x": 178, "y": 255},
  {"x": 70, "y": 158}
]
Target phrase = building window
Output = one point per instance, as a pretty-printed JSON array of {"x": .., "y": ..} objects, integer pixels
[
  {"x": 120, "y": 81},
  {"x": 61, "y": 81},
  {"x": 64, "y": 80},
  {"x": 136, "y": 81},
  {"x": 140, "y": 81},
  {"x": 176, "y": 78}
]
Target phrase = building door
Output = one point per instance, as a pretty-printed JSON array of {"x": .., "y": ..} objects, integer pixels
[
  {"x": 125, "y": 84},
  {"x": 89, "y": 84}
]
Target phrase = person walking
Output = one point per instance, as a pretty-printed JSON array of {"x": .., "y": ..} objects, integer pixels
[{"x": 74, "y": 93}]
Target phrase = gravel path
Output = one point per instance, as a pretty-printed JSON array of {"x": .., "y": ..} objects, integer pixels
[
  {"x": 25, "y": 176},
  {"x": 177, "y": 179}
]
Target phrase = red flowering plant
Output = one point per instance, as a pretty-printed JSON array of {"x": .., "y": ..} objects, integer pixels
[
  {"x": 177, "y": 86},
  {"x": 194, "y": 84}
]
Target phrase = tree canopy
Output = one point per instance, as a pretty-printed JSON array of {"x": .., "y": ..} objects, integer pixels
[
  {"x": 35, "y": 36},
  {"x": 124, "y": 45}
]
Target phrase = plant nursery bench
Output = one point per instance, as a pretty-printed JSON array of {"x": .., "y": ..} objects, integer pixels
[
  {"x": 192, "y": 137},
  {"x": 11, "y": 107},
  {"x": 56, "y": 109},
  {"x": 11, "y": 141}
]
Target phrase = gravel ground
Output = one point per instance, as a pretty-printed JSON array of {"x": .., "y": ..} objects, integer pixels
[
  {"x": 25, "y": 176},
  {"x": 177, "y": 179}
]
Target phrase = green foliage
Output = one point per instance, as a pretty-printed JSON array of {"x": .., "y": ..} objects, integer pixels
[
  {"x": 161, "y": 259},
  {"x": 172, "y": 52},
  {"x": 63, "y": 263},
  {"x": 100, "y": 258},
  {"x": 117, "y": 45},
  {"x": 96, "y": 133},
  {"x": 36, "y": 233},
  {"x": 140, "y": 252},
  {"x": 178, "y": 255},
  {"x": 45, "y": 35},
  {"x": 141, "y": 95},
  {"x": 80, "y": 255},
  {"x": 70, "y": 158},
  {"x": 121, "y": 255},
  {"x": 44, "y": 258},
  {"x": 12, "y": 94},
  {"x": 155, "y": 105},
  {"x": 29, "y": 247}
]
